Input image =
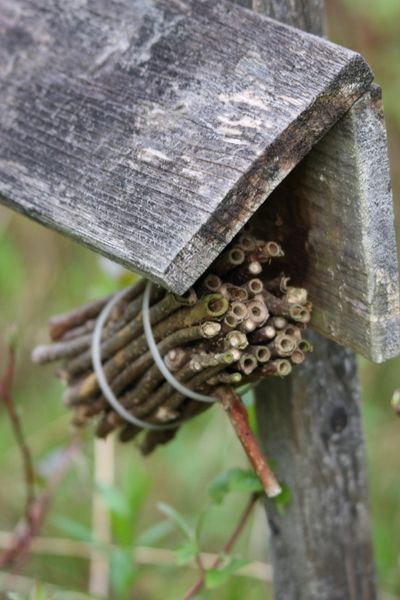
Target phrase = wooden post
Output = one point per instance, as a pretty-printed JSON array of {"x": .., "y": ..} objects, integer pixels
[{"x": 310, "y": 425}]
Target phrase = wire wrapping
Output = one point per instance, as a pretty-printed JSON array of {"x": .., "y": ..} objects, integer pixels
[
  {"x": 182, "y": 389},
  {"x": 159, "y": 361}
]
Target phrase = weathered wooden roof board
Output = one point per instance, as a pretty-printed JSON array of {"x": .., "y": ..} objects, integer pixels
[
  {"x": 334, "y": 216},
  {"x": 152, "y": 130},
  {"x": 353, "y": 274}
]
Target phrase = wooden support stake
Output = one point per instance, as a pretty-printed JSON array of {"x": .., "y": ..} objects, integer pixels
[
  {"x": 310, "y": 425},
  {"x": 99, "y": 578}
]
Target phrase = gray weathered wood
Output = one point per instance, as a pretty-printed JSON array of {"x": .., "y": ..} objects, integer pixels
[
  {"x": 310, "y": 425},
  {"x": 336, "y": 206},
  {"x": 153, "y": 139},
  {"x": 344, "y": 196},
  {"x": 152, "y": 130},
  {"x": 303, "y": 14},
  {"x": 352, "y": 270}
]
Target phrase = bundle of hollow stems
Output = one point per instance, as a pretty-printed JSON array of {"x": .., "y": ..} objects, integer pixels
[{"x": 241, "y": 322}]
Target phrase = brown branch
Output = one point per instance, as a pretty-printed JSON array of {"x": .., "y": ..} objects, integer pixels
[
  {"x": 227, "y": 547},
  {"x": 30, "y": 526},
  {"x": 237, "y": 413},
  {"x": 60, "y": 324},
  {"x": 6, "y": 397}
]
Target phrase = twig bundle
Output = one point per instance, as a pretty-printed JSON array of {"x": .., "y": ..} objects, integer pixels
[{"x": 241, "y": 322}]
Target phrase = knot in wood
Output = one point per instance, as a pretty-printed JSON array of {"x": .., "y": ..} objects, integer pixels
[{"x": 338, "y": 419}]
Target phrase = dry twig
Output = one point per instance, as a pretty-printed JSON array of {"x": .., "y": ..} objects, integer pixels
[
  {"x": 6, "y": 396},
  {"x": 29, "y": 527}
]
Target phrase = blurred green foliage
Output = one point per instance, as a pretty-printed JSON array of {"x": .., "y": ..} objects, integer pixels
[{"x": 42, "y": 274}]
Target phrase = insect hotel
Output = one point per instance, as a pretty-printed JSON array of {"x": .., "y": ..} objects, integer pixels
[{"x": 239, "y": 163}]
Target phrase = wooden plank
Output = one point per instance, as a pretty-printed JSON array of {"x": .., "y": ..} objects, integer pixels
[
  {"x": 353, "y": 270},
  {"x": 310, "y": 425},
  {"x": 337, "y": 226},
  {"x": 152, "y": 130}
]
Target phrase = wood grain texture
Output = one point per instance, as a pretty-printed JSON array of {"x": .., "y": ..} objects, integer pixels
[
  {"x": 345, "y": 194},
  {"x": 307, "y": 15},
  {"x": 334, "y": 216},
  {"x": 310, "y": 425},
  {"x": 343, "y": 191},
  {"x": 152, "y": 130}
]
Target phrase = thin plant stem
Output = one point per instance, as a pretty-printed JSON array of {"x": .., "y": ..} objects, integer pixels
[
  {"x": 7, "y": 398},
  {"x": 30, "y": 526},
  {"x": 197, "y": 586}
]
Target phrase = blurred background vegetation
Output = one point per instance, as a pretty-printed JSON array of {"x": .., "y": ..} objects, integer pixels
[{"x": 42, "y": 273}]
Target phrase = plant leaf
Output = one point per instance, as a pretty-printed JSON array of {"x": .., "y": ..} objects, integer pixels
[
  {"x": 216, "y": 577},
  {"x": 283, "y": 500},
  {"x": 155, "y": 533},
  {"x": 73, "y": 528},
  {"x": 123, "y": 570},
  {"x": 186, "y": 552},
  {"x": 114, "y": 499},
  {"x": 200, "y": 523},
  {"x": 38, "y": 593},
  {"x": 234, "y": 480},
  {"x": 178, "y": 519}
]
